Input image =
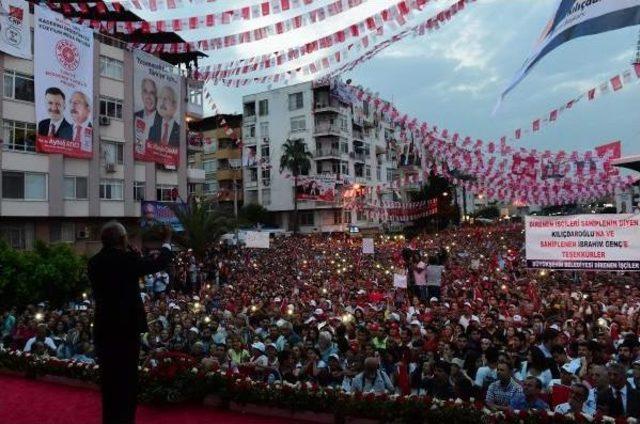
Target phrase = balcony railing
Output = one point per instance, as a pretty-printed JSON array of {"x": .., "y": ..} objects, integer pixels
[
  {"x": 249, "y": 119},
  {"x": 327, "y": 106},
  {"x": 228, "y": 174},
  {"x": 328, "y": 129},
  {"x": 327, "y": 152}
]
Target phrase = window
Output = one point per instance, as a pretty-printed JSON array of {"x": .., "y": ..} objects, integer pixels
[
  {"x": 20, "y": 136},
  {"x": 111, "y": 68},
  {"x": 299, "y": 123},
  {"x": 344, "y": 168},
  {"x": 347, "y": 217},
  {"x": 110, "y": 107},
  {"x": 250, "y": 131},
  {"x": 367, "y": 149},
  {"x": 24, "y": 185},
  {"x": 391, "y": 173},
  {"x": 306, "y": 218},
  {"x": 263, "y": 107},
  {"x": 253, "y": 175},
  {"x": 266, "y": 176},
  {"x": 62, "y": 232},
  {"x": 19, "y": 236},
  {"x": 138, "y": 191},
  {"x": 211, "y": 186},
  {"x": 164, "y": 193},
  {"x": 344, "y": 148},
  {"x": 360, "y": 216},
  {"x": 264, "y": 130},
  {"x": 378, "y": 173},
  {"x": 195, "y": 95},
  {"x": 111, "y": 189},
  {"x": 295, "y": 101},
  {"x": 337, "y": 216},
  {"x": 75, "y": 188},
  {"x": 18, "y": 86},
  {"x": 343, "y": 124},
  {"x": 249, "y": 109},
  {"x": 266, "y": 197},
  {"x": 209, "y": 165},
  {"x": 112, "y": 152},
  {"x": 264, "y": 151},
  {"x": 367, "y": 172}
]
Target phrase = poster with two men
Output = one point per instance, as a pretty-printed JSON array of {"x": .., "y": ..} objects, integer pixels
[
  {"x": 64, "y": 85},
  {"x": 156, "y": 110}
]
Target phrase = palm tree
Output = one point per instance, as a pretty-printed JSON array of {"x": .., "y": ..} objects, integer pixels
[
  {"x": 202, "y": 225},
  {"x": 296, "y": 159}
]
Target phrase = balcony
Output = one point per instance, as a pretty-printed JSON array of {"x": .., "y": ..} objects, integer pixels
[
  {"x": 221, "y": 134},
  {"x": 325, "y": 106},
  {"x": 249, "y": 119},
  {"x": 228, "y": 196},
  {"x": 358, "y": 157},
  {"x": 229, "y": 174},
  {"x": 327, "y": 129},
  {"x": 251, "y": 184},
  {"x": 357, "y": 135},
  {"x": 327, "y": 153},
  {"x": 195, "y": 175},
  {"x": 228, "y": 153}
]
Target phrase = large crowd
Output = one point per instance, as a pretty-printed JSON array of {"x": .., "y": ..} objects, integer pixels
[{"x": 472, "y": 323}]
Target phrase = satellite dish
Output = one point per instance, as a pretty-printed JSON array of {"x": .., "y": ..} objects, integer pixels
[{"x": 349, "y": 81}]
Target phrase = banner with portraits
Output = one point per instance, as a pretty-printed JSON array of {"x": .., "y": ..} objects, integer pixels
[
  {"x": 157, "y": 114},
  {"x": 15, "y": 34},
  {"x": 250, "y": 157},
  {"x": 320, "y": 188},
  {"x": 63, "y": 77},
  {"x": 159, "y": 213}
]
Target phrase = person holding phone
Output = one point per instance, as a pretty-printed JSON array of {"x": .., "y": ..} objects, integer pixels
[{"x": 120, "y": 318}]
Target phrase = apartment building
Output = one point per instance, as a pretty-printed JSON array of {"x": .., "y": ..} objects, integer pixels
[
  {"x": 221, "y": 158},
  {"x": 346, "y": 139},
  {"x": 55, "y": 198}
]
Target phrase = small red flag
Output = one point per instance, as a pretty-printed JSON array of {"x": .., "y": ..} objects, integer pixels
[{"x": 616, "y": 82}]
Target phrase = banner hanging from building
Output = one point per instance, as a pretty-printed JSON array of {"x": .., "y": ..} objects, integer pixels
[
  {"x": 578, "y": 18},
  {"x": 63, "y": 68},
  {"x": 157, "y": 110},
  {"x": 320, "y": 188},
  {"x": 159, "y": 213},
  {"x": 590, "y": 242},
  {"x": 15, "y": 34}
]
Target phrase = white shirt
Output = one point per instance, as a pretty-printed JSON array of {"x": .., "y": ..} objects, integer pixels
[
  {"x": 48, "y": 341},
  {"x": 464, "y": 321},
  {"x": 565, "y": 408}
]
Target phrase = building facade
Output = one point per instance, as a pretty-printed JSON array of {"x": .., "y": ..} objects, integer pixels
[
  {"x": 346, "y": 140},
  {"x": 60, "y": 199},
  {"x": 221, "y": 158}
]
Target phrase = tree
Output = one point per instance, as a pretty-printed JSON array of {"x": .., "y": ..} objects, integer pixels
[
  {"x": 296, "y": 159},
  {"x": 254, "y": 213},
  {"x": 50, "y": 272},
  {"x": 202, "y": 225}
]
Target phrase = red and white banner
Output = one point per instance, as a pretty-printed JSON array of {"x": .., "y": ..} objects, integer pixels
[
  {"x": 591, "y": 242},
  {"x": 63, "y": 77},
  {"x": 14, "y": 25},
  {"x": 320, "y": 188},
  {"x": 244, "y": 13}
]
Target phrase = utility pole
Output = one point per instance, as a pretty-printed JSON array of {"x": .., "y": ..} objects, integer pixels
[{"x": 235, "y": 164}]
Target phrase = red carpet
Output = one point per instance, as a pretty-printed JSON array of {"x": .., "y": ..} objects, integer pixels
[{"x": 33, "y": 402}]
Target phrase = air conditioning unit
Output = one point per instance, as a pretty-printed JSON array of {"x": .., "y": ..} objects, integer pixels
[
  {"x": 265, "y": 140},
  {"x": 82, "y": 233},
  {"x": 352, "y": 155},
  {"x": 110, "y": 167},
  {"x": 105, "y": 120}
]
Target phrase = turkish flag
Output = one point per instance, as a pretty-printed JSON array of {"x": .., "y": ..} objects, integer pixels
[{"x": 616, "y": 83}]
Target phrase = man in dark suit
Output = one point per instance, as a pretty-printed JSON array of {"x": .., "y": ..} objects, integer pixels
[
  {"x": 624, "y": 400},
  {"x": 166, "y": 132},
  {"x": 114, "y": 273},
  {"x": 55, "y": 125},
  {"x": 148, "y": 113}
]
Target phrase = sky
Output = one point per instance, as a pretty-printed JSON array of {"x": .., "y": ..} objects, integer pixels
[{"x": 452, "y": 77}]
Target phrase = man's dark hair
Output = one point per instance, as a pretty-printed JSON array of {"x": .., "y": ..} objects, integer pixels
[
  {"x": 549, "y": 334},
  {"x": 492, "y": 355},
  {"x": 507, "y": 363},
  {"x": 537, "y": 380},
  {"x": 558, "y": 350},
  {"x": 55, "y": 91}
]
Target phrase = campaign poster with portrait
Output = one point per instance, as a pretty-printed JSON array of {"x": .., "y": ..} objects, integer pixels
[
  {"x": 63, "y": 68},
  {"x": 250, "y": 157},
  {"x": 15, "y": 34},
  {"x": 157, "y": 113},
  {"x": 159, "y": 213},
  {"x": 320, "y": 188}
]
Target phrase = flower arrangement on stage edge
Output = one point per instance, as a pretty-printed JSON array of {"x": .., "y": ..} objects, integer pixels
[{"x": 178, "y": 378}]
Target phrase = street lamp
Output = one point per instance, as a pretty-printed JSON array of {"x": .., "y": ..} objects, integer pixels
[{"x": 235, "y": 164}]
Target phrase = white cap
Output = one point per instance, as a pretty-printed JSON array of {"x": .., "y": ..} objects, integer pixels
[
  {"x": 318, "y": 312},
  {"x": 259, "y": 346},
  {"x": 433, "y": 299},
  {"x": 416, "y": 322},
  {"x": 517, "y": 318},
  {"x": 195, "y": 330}
]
